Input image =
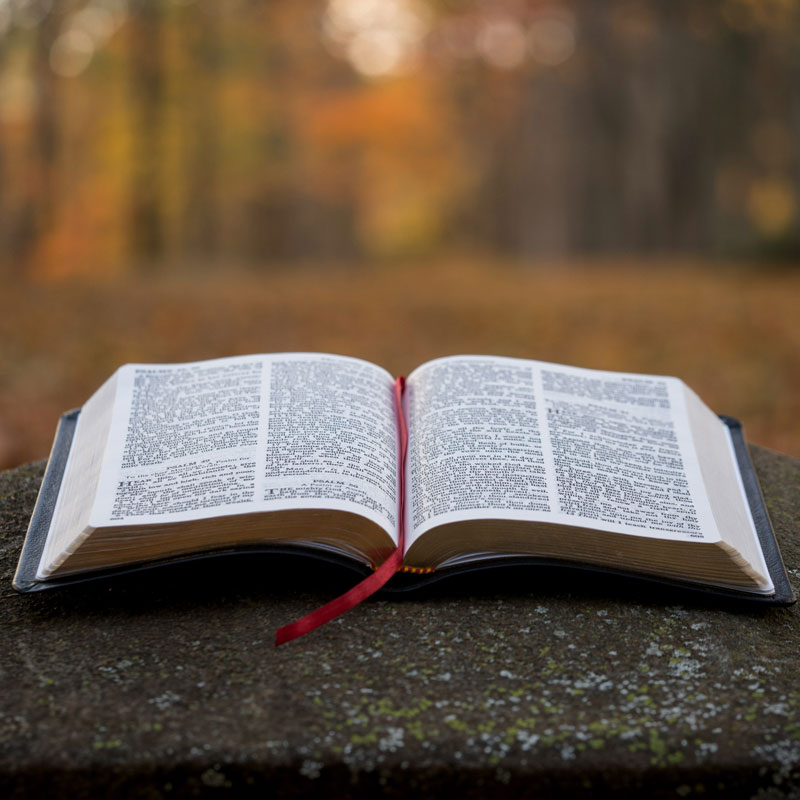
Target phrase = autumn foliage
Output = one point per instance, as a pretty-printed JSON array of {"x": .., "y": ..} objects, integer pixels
[{"x": 609, "y": 184}]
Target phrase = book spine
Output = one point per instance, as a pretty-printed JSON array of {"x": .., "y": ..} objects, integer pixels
[{"x": 25, "y": 579}]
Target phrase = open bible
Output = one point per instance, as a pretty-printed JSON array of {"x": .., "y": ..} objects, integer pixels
[{"x": 507, "y": 461}]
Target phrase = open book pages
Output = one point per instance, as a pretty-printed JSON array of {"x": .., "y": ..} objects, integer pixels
[
  {"x": 171, "y": 459},
  {"x": 506, "y": 457},
  {"x": 498, "y": 443}
]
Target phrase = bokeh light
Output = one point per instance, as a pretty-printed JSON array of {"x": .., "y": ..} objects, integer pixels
[
  {"x": 772, "y": 205},
  {"x": 28, "y": 14},
  {"x": 552, "y": 36},
  {"x": 378, "y": 37},
  {"x": 502, "y": 43},
  {"x": 71, "y": 53}
]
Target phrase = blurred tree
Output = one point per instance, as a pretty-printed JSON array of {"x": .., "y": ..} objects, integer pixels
[
  {"x": 5, "y": 206},
  {"x": 214, "y": 131},
  {"x": 29, "y": 209},
  {"x": 47, "y": 121},
  {"x": 145, "y": 40},
  {"x": 291, "y": 211},
  {"x": 202, "y": 28}
]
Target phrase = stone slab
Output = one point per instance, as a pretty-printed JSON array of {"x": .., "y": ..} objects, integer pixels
[{"x": 167, "y": 684}]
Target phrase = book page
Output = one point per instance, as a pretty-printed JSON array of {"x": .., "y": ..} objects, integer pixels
[
  {"x": 502, "y": 438},
  {"x": 249, "y": 434}
]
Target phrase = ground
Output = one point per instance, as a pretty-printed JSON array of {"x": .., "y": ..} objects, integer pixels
[{"x": 730, "y": 330}]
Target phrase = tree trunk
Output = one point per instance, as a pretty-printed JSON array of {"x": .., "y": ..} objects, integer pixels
[
  {"x": 201, "y": 133},
  {"x": 147, "y": 88}
]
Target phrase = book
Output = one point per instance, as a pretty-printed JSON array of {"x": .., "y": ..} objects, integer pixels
[{"x": 470, "y": 463}]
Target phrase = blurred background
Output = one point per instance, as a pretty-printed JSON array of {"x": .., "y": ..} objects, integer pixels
[{"x": 611, "y": 185}]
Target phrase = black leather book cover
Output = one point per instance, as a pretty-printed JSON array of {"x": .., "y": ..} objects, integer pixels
[{"x": 25, "y": 579}]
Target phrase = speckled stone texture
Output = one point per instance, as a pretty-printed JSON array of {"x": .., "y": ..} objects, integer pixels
[{"x": 541, "y": 684}]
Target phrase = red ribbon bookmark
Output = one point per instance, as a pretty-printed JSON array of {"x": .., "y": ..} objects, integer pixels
[{"x": 371, "y": 584}]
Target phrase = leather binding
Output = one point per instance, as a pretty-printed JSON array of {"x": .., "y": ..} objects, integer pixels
[{"x": 25, "y": 579}]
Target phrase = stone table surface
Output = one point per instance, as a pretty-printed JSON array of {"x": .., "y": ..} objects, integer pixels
[{"x": 550, "y": 683}]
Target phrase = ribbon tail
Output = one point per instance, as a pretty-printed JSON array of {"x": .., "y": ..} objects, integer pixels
[{"x": 350, "y": 599}]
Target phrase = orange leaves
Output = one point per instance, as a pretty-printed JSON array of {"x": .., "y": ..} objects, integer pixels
[
  {"x": 396, "y": 113},
  {"x": 393, "y": 145}
]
